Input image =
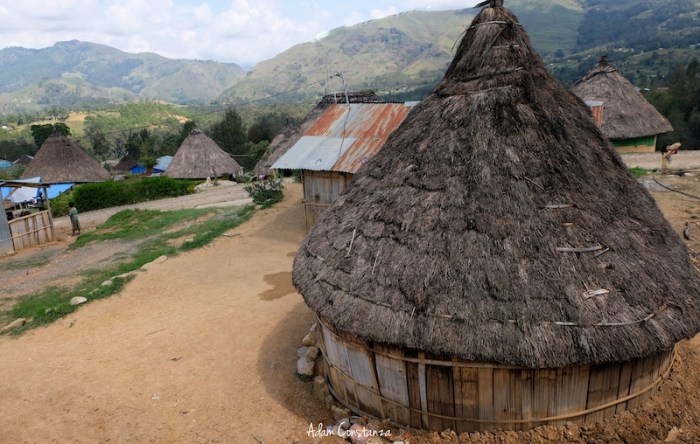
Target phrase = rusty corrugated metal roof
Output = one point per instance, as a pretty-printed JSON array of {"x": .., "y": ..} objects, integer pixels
[{"x": 344, "y": 138}]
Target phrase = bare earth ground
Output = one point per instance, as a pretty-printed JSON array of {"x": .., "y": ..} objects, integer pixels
[{"x": 202, "y": 348}]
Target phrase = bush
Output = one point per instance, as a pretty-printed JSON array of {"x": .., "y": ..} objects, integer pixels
[
  {"x": 266, "y": 192},
  {"x": 59, "y": 205},
  {"x": 95, "y": 196}
]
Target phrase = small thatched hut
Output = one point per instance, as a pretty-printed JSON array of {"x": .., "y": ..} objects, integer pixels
[
  {"x": 624, "y": 116},
  {"x": 494, "y": 265},
  {"x": 200, "y": 157},
  {"x": 59, "y": 160},
  {"x": 125, "y": 165}
]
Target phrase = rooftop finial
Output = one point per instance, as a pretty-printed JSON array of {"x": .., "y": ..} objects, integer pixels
[
  {"x": 604, "y": 60},
  {"x": 490, "y": 3}
]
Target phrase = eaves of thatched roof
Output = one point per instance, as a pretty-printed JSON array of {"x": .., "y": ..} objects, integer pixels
[
  {"x": 59, "y": 160},
  {"x": 498, "y": 225},
  {"x": 200, "y": 157},
  {"x": 626, "y": 113}
]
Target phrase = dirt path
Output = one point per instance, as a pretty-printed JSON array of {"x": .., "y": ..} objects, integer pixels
[
  {"x": 198, "y": 349},
  {"x": 202, "y": 348}
]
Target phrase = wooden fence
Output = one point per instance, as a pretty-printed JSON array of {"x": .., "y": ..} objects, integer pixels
[
  {"x": 422, "y": 391},
  {"x": 32, "y": 230}
]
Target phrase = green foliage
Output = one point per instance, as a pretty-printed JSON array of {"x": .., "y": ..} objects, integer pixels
[
  {"x": 94, "y": 196},
  {"x": 266, "y": 192},
  {"x": 59, "y": 204},
  {"x": 637, "y": 172},
  {"x": 680, "y": 103},
  {"x": 230, "y": 135},
  {"x": 42, "y": 132}
]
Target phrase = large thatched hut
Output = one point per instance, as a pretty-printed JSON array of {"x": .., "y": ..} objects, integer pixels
[
  {"x": 59, "y": 160},
  {"x": 625, "y": 117},
  {"x": 200, "y": 157},
  {"x": 494, "y": 266}
]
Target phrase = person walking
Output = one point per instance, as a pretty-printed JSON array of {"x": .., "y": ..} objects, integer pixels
[{"x": 75, "y": 223}]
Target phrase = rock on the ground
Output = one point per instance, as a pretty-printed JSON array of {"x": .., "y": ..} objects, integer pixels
[
  {"x": 311, "y": 336},
  {"x": 160, "y": 260},
  {"x": 674, "y": 436},
  {"x": 78, "y": 300},
  {"x": 321, "y": 388},
  {"x": 14, "y": 324},
  {"x": 302, "y": 351},
  {"x": 312, "y": 353},
  {"x": 108, "y": 283},
  {"x": 305, "y": 367},
  {"x": 339, "y": 413}
]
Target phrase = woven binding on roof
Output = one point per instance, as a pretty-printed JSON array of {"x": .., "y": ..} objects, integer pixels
[
  {"x": 498, "y": 225},
  {"x": 627, "y": 114},
  {"x": 61, "y": 161},
  {"x": 200, "y": 157}
]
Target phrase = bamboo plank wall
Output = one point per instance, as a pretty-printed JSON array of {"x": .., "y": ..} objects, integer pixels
[
  {"x": 321, "y": 189},
  {"x": 420, "y": 391},
  {"x": 32, "y": 230}
]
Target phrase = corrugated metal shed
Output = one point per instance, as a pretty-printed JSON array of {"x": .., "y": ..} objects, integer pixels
[{"x": 344, "y": 138}]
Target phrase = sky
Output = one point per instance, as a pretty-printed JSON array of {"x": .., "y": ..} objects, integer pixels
[{"x": 234, "y": 31}]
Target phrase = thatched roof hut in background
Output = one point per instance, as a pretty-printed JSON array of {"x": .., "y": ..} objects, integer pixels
[
  {"x": 23, "y": 160},
  {"x": 125, "y": 165},
  {"x": 494, "y": 266},
  {"x": 200, "y": 157},
  {"x": 291, "y": 134},
  {"x": 625, "y": 117},
  {"x": 59, "y": 160}
]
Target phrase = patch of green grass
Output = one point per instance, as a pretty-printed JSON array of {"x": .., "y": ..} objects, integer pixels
[
  {"x": 138, "y": 224},
  {"x": 637, "y": 172},
  {"x": 54, "y": 303}
]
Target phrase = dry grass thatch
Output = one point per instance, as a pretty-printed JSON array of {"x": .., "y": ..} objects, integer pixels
[
  {"x": 498, "y": 225},
  {"x": 59, "y": 160},
  {"x": 627, "y": 114},
  {"x": 200, "y": 157},
  {"x": 125, "y": 164}
]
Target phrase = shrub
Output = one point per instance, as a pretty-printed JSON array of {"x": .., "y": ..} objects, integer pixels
[
  {"x": 94, "y": 196},
  {"x": 59, "y": 205},
  {"x": 266, "y": 192}
]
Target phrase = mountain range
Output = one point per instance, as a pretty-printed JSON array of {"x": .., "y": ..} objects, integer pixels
[{"x": 401, "y": 57}]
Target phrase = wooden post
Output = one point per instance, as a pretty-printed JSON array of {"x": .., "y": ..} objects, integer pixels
[{"x": 48, "y": 208}]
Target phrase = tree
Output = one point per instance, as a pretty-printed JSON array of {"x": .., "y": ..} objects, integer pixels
[
  {"x": 42, "y": 132},
  {"x": 100, "y": 146},
  {"x": 266, "y": 127},
  {"x": 230, "y": 135}
]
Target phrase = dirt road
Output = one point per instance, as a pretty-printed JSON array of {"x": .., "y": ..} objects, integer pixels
[{"x": 200, "y": 348}]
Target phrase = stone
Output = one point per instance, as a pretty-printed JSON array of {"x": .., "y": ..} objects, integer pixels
[
  {"x": 309, "y": 339},
  {"x": 312, "y": 353},
  {"x": 305, "y": 367},
  {"x": 330, "y": 402},
  {"x": 14, "y": 324},
  {"x": 125, "y": 275},
  {"x": 302, "y": 351},
  {"x": 358, "y": 434},
  {"x": 339, "y": 413},
  {"x": 674, "y": 436},
  {"x": 107, "y": 283},
  {"x": 78, "y": 300},
  {"x": 344, "y": 423},
  {"x": 149, "y": 265},
  {"x": 320, "y": 388}
]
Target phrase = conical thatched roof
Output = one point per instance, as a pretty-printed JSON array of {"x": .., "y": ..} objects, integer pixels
[
  {"x": 61, "y": 161},
  {"x": 498, "y": 225},
  {"x": 200, "y": 157},
  {"x": 125, "y": 164},
  {"x": 627, "y": 114}
]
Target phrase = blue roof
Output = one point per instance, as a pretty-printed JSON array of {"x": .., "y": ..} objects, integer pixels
[{"x": 5, "y": 164}]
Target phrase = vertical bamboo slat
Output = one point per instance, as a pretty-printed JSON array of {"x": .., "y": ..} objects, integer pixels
[
  {"x": 466, "y": 385},
  {"x": 426, "y": 392}
]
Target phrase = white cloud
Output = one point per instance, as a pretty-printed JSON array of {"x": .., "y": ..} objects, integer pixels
[{"x": 241, "y": 31}]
